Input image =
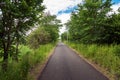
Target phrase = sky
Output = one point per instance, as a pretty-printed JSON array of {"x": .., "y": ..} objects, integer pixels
[{"x": 63, "y": 8}]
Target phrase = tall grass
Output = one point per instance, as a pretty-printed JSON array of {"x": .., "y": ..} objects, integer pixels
[
  {"x": 107, "y": 56},
  {"x": 27, "y": 59}
]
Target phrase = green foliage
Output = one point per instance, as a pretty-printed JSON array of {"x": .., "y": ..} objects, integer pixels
[
  {"x": 24, "y": 67},
  {"x": 24, "y": 49},
  {"x": 64, "y": 36},
  {"x": 117, "y": 50},
  {"x": 51, "y": 25},
  {"x": 38, "y": 37},
  {"x": 92, "y": 26},
  {"x": 111, "y": 30},
  {"x": 106, "y": 56},
  {"x": 16, "y": 71},
  {"x": 91, "y": 23},
  {"x": 16, "y": 18},
  {"x": 45, "y": 33},
  {"x": 27, "y": 59}
]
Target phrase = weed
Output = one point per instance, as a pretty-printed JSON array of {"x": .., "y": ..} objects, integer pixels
[
  {"x": 104, "y": 55},
  {"x": 27, "y": 59}
]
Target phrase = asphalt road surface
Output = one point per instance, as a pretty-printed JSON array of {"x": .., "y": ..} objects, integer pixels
[{"x": 64, "y": 64}]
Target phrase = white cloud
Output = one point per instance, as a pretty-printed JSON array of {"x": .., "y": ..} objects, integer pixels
[
  {"x": 64, "y": 17},
  {"x": 62, "y": 30},
  {"x": 54, "y": 6},
  {"x": 115, "y": 7}
]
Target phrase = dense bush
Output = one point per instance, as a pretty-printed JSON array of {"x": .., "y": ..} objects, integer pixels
[
  {"x": 38, "y": 37},
  {"x": 27, "y": 59},
  {"x": 91, "y": 23}
]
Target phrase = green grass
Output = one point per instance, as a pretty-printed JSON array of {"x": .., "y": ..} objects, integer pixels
[
  {"x": 106, "y": 56},
  {"x": 27, "y": 59}
]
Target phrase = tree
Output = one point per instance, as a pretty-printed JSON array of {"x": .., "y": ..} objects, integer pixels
[
  {"x": 18, "y": 16},
  {"x": 46, "y": 32},
  {"x": 38, "y": 37},
  {"x": 51, "y": 25},
  {"x": 64, "y": 36},
  {"x": 87, "y": 21},
  {"x": 111, "y": 30}
]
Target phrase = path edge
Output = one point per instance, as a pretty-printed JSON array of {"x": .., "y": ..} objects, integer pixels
[
  {"x": 90, "y": 62},
  {"x": 46, "y": 63}
]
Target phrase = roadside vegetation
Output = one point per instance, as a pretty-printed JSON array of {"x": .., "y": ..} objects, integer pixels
[
  {"x": 28, "y": 58},
  {"x": 106, "y": 56},
  {"x": 94, "y": 31},
  {"x": 27, "y": 35}
]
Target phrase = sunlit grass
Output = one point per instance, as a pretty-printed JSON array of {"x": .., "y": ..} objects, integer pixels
[
  {"x": 27, "y": 59},
  {"x": 107, "y": 56}
]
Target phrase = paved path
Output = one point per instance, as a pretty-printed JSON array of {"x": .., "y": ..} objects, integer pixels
[{"x": 66, "y": 65}]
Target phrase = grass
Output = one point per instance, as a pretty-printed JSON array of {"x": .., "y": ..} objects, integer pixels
[
  {"x": 28, "y": 58},
  {"x": 107, "y": 56}
]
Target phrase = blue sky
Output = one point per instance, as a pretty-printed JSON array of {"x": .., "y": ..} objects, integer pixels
[
  {"x": 59, "y": 7},
  {"x": 70, "y": 9},
  {"x": 116, "y": 1},
  {"x": 63, "y": 8}
]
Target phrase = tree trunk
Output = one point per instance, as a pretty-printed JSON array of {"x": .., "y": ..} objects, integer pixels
[
  {"x": 5, "y": 58},
  {"x": 16, "y": 53},
  {"x": 6, "y": 39}
]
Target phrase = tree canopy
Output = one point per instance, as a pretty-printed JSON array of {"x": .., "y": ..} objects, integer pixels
[
  {"x": 16, "y": 18},
  {"x": 46, "y": 32},
  {"x": 92, "y": 23}
]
